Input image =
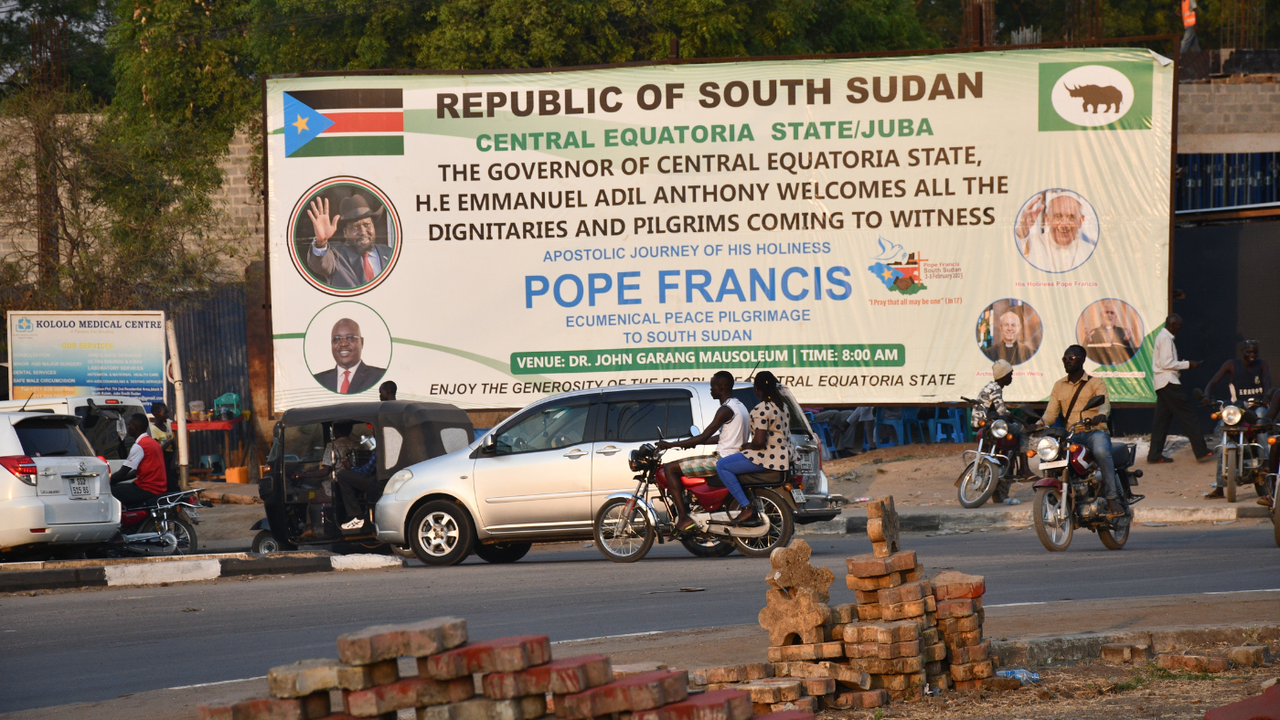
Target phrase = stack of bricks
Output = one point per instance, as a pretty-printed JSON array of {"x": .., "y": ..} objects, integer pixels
[
  {"x": 959, "y": 601},
  {"x": 806, "y": 645}
]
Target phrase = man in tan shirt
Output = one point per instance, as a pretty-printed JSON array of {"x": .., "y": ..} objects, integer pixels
[{"x": 1067, "y": 400}]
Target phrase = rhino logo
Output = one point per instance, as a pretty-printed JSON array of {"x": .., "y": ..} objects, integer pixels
[{"x": 1092, "y": 97}]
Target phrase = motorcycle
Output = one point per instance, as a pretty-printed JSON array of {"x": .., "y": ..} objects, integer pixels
[
  {"x": 165, "y": 526},
  {"x": 627, "y": 524},
  {"x": 1243, "y": 447},
  {"x": 992, "y": 468},
  {"x": 1070, "y": 494}
]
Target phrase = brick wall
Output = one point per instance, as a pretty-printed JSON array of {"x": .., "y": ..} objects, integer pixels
[{"x": 1222, "y": 108}]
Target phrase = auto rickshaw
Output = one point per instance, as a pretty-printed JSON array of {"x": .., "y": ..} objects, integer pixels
[{"x": 303, "y": 504}]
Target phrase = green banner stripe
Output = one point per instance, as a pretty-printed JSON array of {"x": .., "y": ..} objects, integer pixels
[
  {"x": 289, "y": 336},
  {"x": 358, "y": 145},
  {"x": 708, "y": 358}
]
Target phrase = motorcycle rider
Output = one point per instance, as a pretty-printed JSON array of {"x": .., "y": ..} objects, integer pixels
[
  {"x": 1067, "y": 400},
  {"x": 145, "y": 465},
  {"x": 992, "y": 399},
  {"x": 1250, "y": 379},
  {"x": 732, "y": 422}
]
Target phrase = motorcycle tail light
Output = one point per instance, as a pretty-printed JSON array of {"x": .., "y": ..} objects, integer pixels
[{"x": 1271, "y": 441}]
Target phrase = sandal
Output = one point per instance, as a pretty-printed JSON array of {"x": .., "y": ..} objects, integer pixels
[{"x": 684, "y": 528}]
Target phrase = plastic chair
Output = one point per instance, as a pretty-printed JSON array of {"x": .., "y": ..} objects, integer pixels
[
  {"x": 213, "y": 463},
  {"x": 896, "y": 425},
  {"x": 911, "y": 422},
  {"x": 824, "y": 434},
  {"x": 954, "y": 421}
]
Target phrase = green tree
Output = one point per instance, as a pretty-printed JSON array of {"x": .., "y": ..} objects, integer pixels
[{"x": 82, "y": 26}]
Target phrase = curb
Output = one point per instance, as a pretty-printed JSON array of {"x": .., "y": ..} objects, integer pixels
[
  {"x": 854, "y": 520},
  {"x": 1062, "y": 649},
  {"x": 22, "y": 577}
]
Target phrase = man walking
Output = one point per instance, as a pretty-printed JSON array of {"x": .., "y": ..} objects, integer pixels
[{"x": 1171, "y": 399}]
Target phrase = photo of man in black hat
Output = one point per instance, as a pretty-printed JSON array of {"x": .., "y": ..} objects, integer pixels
[{"x": 360, "y": 259}]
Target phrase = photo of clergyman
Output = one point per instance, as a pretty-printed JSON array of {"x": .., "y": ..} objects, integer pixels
[
  {"x": 348, "y": 348},
  {"x": 1111, "y": 331},
  {"x": 1010, "y": 330},
  {"x": 1057, "y": 230},
  {"x": 344, "y": 237}
]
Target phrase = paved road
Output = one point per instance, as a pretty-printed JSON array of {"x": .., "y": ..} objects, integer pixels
[{"x": 93, "y": 645}]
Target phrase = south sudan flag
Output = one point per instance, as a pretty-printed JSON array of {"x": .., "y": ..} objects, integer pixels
[{"x": 353, "y": 122}]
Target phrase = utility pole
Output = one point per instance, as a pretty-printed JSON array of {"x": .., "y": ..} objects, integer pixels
[{"x": 48, "y": 74}]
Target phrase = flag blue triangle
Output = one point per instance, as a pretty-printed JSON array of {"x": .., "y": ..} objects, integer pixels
[{"x": 302, "y": 124}]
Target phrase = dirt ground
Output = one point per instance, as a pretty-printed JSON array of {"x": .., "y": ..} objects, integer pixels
[
  {"x": 1088, "y": 691},
  {"x": 923, "y": 475}
]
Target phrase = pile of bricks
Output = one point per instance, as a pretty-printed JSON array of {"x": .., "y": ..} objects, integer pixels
[
  {"x": 960, "y": 615},
  {"x": 507, "y": 679}
]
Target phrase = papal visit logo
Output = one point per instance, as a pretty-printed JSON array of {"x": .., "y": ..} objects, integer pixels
[
  {"x": 1097, "y": 96},
  {"x": 898, "y": 269}
]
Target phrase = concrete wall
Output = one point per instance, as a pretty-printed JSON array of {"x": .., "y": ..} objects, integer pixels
[{"x": 1229, "y": 116}]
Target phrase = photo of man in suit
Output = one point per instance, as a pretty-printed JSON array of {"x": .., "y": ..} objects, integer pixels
[
  {"x": 349, "y": 375},
  {"x": 1008, "y": 344},
  {"x": 1109, "y": 343},
  {"x": 360, "y": 259}
]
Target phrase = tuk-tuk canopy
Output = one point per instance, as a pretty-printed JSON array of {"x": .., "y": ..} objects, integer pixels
[{"x": 425, "y": 430}]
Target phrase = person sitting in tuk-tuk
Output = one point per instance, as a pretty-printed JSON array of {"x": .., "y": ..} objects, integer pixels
[
  {"x": 337, "y": 452},
  {"x": 359, "y": 479}
]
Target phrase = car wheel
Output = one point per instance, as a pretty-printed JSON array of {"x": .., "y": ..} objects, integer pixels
[
  {"x": 440, "y": 533},
  {"x": 264, "y": 543},
  {"x": 503, "y": 552}
]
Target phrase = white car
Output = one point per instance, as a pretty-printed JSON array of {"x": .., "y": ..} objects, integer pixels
[
  {"x": 54, "y": 490},
  {"x": 102, "y": 418},
  {"x": 552, "y": 465}
]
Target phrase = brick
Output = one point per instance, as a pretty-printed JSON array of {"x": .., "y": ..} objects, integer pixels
[
  {"x": 510, "y": 654},
  {"x": 902, "y": 611},
  {"x": 969, "y": 654},
  {"x": 802, "y": 615},
  {"x": 790, "y": 570},
  {"x": 846, "y": 674},
  {"x": 929, "y": 634},
  {"x": 913, "y": 575},
  {"x": 629, "y": 669},
  {"x": 638, "y": 692},
  {"x": 802, "y": 704},
  {"x": 716, "y": 705},
  {"x": 792, "y": 653},
  {"x": 934, "y": 667},
  {"x": 854, "y": 582},
  {"x": 843, "y": 614},
  {"x": 370, "y": 645},
  {"x": 800, "y": 670},
  {"x": 1251, "y": 656},
  {"x": 738, "y": 673},
  {"x": 895, "y": 666},
  {"x": 773, "y": 690},
  {"x": 269, "y": 709},
  {"x": 971, "y": 671},
  {"x": 941, "y": 681},
  {"x": 872, "y": 566},
  {"x": 935, "y": 652},
  {"x": 868, "y": 612},
  {"x": 905, "y": 592},
  {"x": 768, "y": 714},
  {"x": 302, "y": 678},
  {"x": 967, "y": 684},
  {"x": 861, "y": 700},
  {"x": 819, "y": 686},
  {"x": 435, "y": 635},
  {"x": 1117, "y": 653},
  {"x": 950, "y": 585},
  {"x": 383, "y": 698},
  {"x": 883, "y": 632},
  {"x": 883, "y": 549},
  {"x": 911, "y": 694},
  {"x": 862, "y": 650},
  {"x": 954, "y": 625},
  {"x": 899, "y": 681},
  {"x": 440, "y": 692},
  {"x": 1193, "y": 663},
  {"x": 867, "y": 597},
  {"x": 911, "y": 648},
  {"x": 834, "y": 633},
  {"x": 215, "y": 712},
  {"x": 525, "y": 708},
  {"x": 830, "y": 650},
  {"x": 964, "y": 639},
  {"x": 960, "y": 607}
]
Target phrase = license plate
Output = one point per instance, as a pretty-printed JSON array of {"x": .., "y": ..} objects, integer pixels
[
  {"x": 798, "y": 496},
  {"x": 1052, "y": 465},
  {"x": 79, "y": 487}
]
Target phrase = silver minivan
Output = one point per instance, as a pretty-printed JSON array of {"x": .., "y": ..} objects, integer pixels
[
  {"x": 54, "y": 490},
  {"x": 541, "y": 475}
]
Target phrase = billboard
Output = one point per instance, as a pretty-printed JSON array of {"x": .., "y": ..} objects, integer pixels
[
  {"x": 870, "y": 230},
  {"x": 61, "y": 354}
]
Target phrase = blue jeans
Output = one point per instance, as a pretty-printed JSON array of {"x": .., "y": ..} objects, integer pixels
[
  {"x": 1099, "y": 443},
  {"x": 729, "y": 468}
]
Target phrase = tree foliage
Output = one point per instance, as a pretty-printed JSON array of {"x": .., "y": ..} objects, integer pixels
[{"x": 88, "y": 64}]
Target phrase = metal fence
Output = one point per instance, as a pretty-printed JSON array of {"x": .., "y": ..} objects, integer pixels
[{"x": 1224, "y": 181}]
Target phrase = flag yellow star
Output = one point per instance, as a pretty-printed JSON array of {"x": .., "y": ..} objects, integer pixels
[
  {"x": 301, "y": 124},
  {"x": 887, "y": 274}
]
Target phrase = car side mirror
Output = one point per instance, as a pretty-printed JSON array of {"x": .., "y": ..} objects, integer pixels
[
  {"x": 694, "y": 431},
  {"x": 488, "y": 446}
]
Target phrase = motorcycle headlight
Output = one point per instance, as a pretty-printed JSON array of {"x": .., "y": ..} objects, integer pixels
[
  {"x": 397, "y": 481},
  {"x": 1047, "y": 449},
  {"x": 1231, "y": 415},
  {"x": 999, "y": 428}
]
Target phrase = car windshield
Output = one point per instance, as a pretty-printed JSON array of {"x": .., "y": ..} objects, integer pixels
[
  {"x": 748, "y": 397},
  {"x": 52, "y": 437}
]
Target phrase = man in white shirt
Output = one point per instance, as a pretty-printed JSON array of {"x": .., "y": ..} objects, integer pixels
[
  {"x": 1057, "y": 244},
  {"x": 1171, "y": 399},
  {"x": 734, "y": 425}
]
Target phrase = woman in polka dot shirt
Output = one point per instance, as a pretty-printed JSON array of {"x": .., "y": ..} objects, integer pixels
[{"x": 769, "y": 448}]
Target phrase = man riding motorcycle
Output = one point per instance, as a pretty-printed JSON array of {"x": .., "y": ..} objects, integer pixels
[
  {"x": 991, "y": 398},
  {"x": 1069, "y": 395}
]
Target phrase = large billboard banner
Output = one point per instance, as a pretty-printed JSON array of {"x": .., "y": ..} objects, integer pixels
[
  {"x": 64, "y": 354},
  {"x": 870, "y": 230}
]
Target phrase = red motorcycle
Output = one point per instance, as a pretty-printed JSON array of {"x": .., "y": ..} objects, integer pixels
[
  {"x": 1071, "y": 494},
  {"x": 165, "y": 526}
]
